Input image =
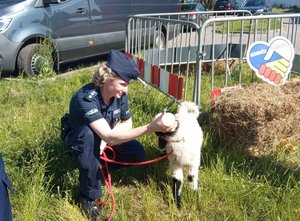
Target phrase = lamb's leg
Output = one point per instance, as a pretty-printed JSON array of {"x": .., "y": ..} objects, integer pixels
[
  {"x": 177, "y": 184},
  {"x": 193, "y": 177}
]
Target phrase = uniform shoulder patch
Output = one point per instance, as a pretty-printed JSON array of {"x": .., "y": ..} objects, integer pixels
[{"x": 91, "y": 95}]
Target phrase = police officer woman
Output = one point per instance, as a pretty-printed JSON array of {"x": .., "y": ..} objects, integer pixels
[{"x": 99, "y": 112}]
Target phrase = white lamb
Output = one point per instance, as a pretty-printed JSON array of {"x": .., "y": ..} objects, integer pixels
[{"x": 186, "y": 144}]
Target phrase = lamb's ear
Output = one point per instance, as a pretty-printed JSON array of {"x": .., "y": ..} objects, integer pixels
[{"x": 194, "y": 112}]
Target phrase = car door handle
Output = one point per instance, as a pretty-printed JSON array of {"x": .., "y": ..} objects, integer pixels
[{"x": 81, "y": 11}]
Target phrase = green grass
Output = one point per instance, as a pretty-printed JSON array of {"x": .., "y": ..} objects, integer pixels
[
  {"x": 248, "y": 25},
  {"x": 232, "y": 185}
]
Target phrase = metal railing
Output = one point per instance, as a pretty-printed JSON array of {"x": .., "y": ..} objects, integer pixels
[{"x": 173, "y": 50}]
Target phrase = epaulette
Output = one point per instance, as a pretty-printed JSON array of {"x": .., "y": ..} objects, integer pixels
[{"x": 91, "y": 95}]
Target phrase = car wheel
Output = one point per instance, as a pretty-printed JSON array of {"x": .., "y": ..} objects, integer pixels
[
  {"x": 159, "y": 40},
  {"x": 29, "y": 59}
]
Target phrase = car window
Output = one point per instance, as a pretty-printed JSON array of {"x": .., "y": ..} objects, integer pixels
[
  {"x": 255, "y": 3},
  {"x": 188, "y": 7},
  {"x": 225, "y": 2}
]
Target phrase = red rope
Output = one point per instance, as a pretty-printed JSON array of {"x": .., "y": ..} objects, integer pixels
[
  {"x": 107, "y": 159},
  {"x": 107, "y": 181},
  {"x": 106, "y": 175}
]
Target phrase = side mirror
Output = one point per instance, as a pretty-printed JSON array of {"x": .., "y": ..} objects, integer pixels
[{"x": 48, "y": 2}]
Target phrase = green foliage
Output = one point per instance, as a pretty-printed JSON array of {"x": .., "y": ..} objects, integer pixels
[
  {"x": 46, "y": 63},
  {"x": 232, "y": 185}
]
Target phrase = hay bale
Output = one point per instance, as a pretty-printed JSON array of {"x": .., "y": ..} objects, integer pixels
[{"x": 258, "y": 117}]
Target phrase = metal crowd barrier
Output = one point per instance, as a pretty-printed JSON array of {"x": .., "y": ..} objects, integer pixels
[{"x": 174, "y": 50}]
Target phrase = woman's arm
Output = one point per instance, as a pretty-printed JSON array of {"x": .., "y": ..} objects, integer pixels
[
  {"x": 120, "y": 135},
  {"x": 123, "y": 125}
]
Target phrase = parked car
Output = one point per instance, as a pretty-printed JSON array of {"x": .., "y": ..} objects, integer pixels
[
  {"x": 191, "y": 6},
  {"x": 257, "y": 6},
  {"x": 77, "y": 28},
  {"x": 225, "y": 5}
]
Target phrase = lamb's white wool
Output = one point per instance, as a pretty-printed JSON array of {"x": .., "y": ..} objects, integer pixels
[
  {"x": 186, "y": 144},
  {"x": 188, "y": 141}
]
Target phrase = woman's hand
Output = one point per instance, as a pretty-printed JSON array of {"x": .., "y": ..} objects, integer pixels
[{"x": 163, "y": 122}]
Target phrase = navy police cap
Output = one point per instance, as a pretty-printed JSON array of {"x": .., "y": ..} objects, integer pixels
[{"x": 122, "y": 65}]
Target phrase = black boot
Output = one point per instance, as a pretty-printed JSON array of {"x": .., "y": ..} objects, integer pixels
[
  {"x": 176, "y": 192},
  {"x": 90, "y": 208}
]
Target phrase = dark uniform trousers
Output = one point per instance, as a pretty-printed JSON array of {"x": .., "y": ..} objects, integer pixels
[
  {"x": 5, "y": 210},
  {"x": 85, "y": 146}
]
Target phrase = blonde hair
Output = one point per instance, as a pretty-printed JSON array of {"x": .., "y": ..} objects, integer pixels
[{"x": 102, "y": 74}]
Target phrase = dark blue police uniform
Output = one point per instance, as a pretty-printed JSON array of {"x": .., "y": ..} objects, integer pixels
[
  {"x": 87, "y": 106},
  {"x": 5, "y": 210}
]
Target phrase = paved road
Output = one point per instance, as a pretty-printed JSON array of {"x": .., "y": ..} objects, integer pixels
[{"x": 211, "y": 36}]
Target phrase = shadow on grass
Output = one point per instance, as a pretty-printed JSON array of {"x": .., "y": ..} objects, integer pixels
[
  {"x": 67, "y": 67},
  {"x": 140, "y": 173},
  {"x": 64, "y": 175}
]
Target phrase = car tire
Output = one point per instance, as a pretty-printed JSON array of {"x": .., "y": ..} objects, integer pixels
[
  {"x": 159, "y": 40},
  {"x": 28, "y": 60}
]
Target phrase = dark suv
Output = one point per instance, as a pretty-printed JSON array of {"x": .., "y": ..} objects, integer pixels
[
  {"x": 224, "y": 5},
  {"x": 191, "y": 6}
]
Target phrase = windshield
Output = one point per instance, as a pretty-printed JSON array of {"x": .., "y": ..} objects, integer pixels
[{"x": 255, "y": 3}]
